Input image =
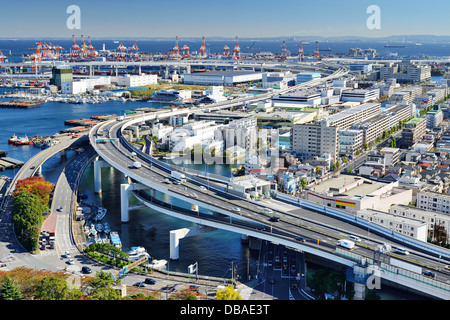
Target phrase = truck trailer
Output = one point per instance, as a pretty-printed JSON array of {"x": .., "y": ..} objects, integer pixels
[{"x": 346, "y": 244}]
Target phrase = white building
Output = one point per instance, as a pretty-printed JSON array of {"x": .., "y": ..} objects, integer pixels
[
  {"x": 73, "y": 87},
  {"x": 359, "y": 95},
  {"x": 84, "y": 85},
  {"x": 221, "y": 78},
  {"x": 409, "y": 227},
  {"x": 350, "y": 141},
  {"x": 137, "y": 80},
  {"x": 433, "y": 201},
  {"x": 432, "y": 219},
  {"x": 193, "y": 134}
]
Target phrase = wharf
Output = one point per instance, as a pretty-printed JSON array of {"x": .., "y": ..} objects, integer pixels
[
  {"x": 9, "y": 163},
  {"x": 75, "y": 130},
  {"x": 21, "y": 104},
  {"x": 81, "y": 122},
  {"x": 104, "y": 117}
]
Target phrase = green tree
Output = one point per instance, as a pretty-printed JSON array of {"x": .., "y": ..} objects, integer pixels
[
  {"x": 228, "y": 293},
  {"x": 103, "y": 279},
  {"x": 10, "y": 291},
  {"x": 52, "y": 288},
  {"x": 106, "y": 293}
]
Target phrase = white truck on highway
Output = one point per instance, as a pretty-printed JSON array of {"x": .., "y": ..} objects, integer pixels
[
  {"x": 178, "y": 176},
  {"x": 137, "y": 164},
  {"x": 346, "y": 244}
]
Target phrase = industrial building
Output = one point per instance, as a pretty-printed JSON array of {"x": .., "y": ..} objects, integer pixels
[
  {"x": 137, "y": 81},
  {"x": 222, "y": 78}
]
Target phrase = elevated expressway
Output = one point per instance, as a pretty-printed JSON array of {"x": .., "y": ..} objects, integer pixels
[{"x": 321, "y": 230}]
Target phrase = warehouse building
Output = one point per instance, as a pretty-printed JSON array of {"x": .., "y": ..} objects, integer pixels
[{"x": 222, "y": 78}]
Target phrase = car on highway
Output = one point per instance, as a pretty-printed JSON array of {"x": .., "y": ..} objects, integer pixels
[
  {"x": 67, "y": 254},
  {"x": 86, "y": 269},
  {"x": 194, "y": 195},
  {"x": 60, "y": 209},
  {"x": 429, "y": 273},
  {"x": 300, "y": 238},
  {"x": 236, "y": 209},
  {"x": 32, "y": 167},
  {"x": 401, "y": 251},
  {"x": 203, "y": 188},
  {"x": 274, "y": 219},
  {"x": 447, "y": 267},
  {"x": 70, "y": 261}
]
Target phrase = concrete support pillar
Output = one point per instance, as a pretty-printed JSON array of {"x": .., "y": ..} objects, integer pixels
[
  {"x": 39, "y": 170},
  {"x": 98, "y": 165},
  {"x": 63, "y": 153},
  {"x": 176, "y": 235},
  {"x": 125, "y": 208},
  {"x": 124, "y": 212},
  {"x": 360, "y": 291}
]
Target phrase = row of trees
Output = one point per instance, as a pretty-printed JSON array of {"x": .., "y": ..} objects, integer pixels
[{"x": 31, "y": 200}]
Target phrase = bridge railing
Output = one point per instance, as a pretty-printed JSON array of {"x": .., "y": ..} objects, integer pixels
[{"x": 364, "y": 223}]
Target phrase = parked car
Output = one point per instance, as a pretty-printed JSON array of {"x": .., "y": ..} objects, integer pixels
[
  {"x": 149, "y": 281},
  {"x": 140, "y": 284},
  {"x": 86, "y": 269}
]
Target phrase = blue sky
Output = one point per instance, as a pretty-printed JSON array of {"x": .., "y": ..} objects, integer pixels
[{"x": 228, "y": 18}]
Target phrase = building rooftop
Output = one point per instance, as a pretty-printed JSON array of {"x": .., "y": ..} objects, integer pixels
[{"x": 415, "y": 120}]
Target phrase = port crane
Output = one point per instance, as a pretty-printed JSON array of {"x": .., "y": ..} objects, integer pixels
[
  {"x": 284, "y": 52},
  {"x": 185, "y": 50},
  {"x": 316, "y": 52},
  {"x": 202, "y": 51},
  {"x": 226, "y": 51},
  {"x": 301, "y": 54},
  {"x": 3, "y": 58},
  {"x": 75, "y": 48},
  {"x": 176, "y": 50},
  {"x": 236, "y": 51}
]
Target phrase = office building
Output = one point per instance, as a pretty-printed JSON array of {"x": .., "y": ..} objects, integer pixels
[
  {"x": 61, "y": 74},
  {"x": 360, "y": 95}
]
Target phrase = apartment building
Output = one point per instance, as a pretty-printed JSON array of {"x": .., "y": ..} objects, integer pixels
[
  {"x": 430, "y": 218},
  {"x": 408, "y": 227},
  {"x": 433, "y": 201},
  {"x": 373, "y": 127},
  {"x": 350, "y": 141},
  {"x": 315, "y": 140},
  {"x": 346, "y": 118},
  {"x": 434, "y": 117},
  {"x": 413, "y": 131}
]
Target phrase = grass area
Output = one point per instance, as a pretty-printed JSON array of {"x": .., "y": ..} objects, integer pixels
[{"x": 160, "y": 86}]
